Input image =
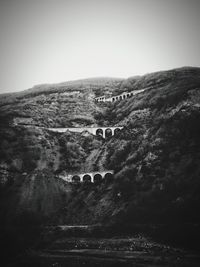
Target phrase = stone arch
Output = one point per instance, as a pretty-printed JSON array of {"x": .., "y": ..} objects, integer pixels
[
  {"x": 108, "y": 132},
  {"x": 76, "y": 179},
  {"x": 87, "y": 178},
  {"x": 99, "y": 132},
  {"x": 97, "y": 178},
  {"x": 116, "y": 131},
  {"x": 108, "y": 177}
]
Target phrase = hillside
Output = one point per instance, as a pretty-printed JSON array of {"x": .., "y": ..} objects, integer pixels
[{"x": 156, "y": 157}]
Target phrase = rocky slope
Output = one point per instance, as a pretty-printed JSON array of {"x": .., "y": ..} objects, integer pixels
[{"x": 156, "y": 157}]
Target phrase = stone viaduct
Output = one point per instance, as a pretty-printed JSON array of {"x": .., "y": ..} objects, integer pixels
[
  {"x": 88, "y": 177},
  {"x": 99, "y": 131},
  {"x": 118, "y": 97}
]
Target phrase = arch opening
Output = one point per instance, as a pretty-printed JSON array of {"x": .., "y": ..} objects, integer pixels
[
  {"x": 124, "y": 96},
  {"x": 97, "y": 178},
  {"x": 108, "y": 133},
  {"x": 108, "y": 177},
  {"x": 113, "y": 99},
  {"x": 76, "y": 179},
  {"x": 99, "y": 132},
  {"x": 116, "y": 131},
  {"x": 120, "y": 97},
  {"x": 87, "y": 178}
]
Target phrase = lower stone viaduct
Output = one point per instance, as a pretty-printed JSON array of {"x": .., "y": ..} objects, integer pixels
[
  {"x": 118, "y": 97},
  {"x": 88, "y": 177},
  {"x": 99, "y": 131}
]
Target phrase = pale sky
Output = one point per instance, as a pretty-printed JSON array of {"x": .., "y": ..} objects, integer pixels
[{"x": 50, "y": 41}]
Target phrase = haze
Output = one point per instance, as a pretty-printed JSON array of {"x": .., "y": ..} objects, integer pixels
[{"x": 49, "y": 41}]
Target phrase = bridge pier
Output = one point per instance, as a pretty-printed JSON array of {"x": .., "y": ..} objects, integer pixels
[
  {"x": 81, "y": 178},
  {"x": 104, "y": 133}
]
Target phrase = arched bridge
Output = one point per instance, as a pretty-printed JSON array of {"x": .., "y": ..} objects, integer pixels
[
  {"x": 88, "y": 177},
  {"x": 118, "y": 97},
  {"x": 99, "y": 131}
]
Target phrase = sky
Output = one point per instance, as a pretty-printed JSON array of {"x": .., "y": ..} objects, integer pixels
[{"x": 51, "y": 41}]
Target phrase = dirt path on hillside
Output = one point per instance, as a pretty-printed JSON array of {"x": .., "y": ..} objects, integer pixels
[{"x": 89, "y": 164}]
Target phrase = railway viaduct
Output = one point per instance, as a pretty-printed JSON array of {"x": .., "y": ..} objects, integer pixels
[
  {"x": 89, "y": 177},
  {"x": 99, "y": 131},
  {"x": 117, "y": 97}
]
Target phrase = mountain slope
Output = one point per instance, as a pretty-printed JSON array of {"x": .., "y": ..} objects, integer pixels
[{"x": 155, "y": 157}]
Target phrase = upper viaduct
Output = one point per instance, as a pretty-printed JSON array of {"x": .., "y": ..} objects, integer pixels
[
  {"x": 118, "y": 97},
  {"x": 102, "y": 131},
  {"x": 91, "y": 177}
]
